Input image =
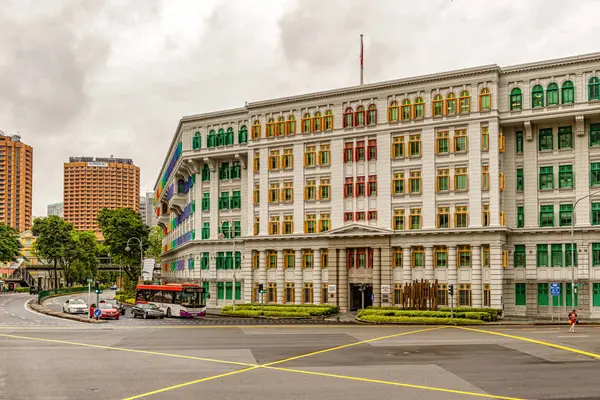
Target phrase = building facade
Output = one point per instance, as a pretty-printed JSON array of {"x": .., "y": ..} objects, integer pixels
[
  {"x": 92, "y": 184},
  {"x": 470, "y": 177},
  {"x": 150, "y": 213},
  {"x": 143, "y": 208},
  {"x": 16, "y": 165},
  {"x": 55, "y": 209}
]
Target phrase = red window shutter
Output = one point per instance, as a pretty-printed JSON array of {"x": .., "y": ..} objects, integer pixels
[
  {"x": 345, "y": 156},
  {"x": 370, "y": 258}
]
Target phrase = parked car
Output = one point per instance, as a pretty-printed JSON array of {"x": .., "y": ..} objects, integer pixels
[
  {"x": 108, "y": 311},
  {"x": 33, "y": 290},
  {"x": 74, "y": 306},
  {"x": 147, "y": 311},
  {"x": 113, "y": 287}
]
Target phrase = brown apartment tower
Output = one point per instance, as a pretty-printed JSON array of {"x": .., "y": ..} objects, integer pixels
[
  {"x": 16, "y": 163},
  {"x": 91, "y": 184}
]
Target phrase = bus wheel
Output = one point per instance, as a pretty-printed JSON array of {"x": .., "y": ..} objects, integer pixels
[{"x": 169, "y": 312}]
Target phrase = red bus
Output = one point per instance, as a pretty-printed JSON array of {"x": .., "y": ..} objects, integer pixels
[{"x": 176, "y": 300}]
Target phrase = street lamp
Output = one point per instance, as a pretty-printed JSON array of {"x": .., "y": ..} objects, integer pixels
[
  {"x": 573, "y": 245},
  {"x": 141, "y": 253},
  {"x": 231, "y": 235}
]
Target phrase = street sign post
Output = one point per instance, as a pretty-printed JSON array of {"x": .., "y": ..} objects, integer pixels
[
  {"x": 97, "y": 312},
  {"x": 555, "y": 289}
]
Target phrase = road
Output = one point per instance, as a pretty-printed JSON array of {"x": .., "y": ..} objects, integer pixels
[{"x": 246, "y": 362}]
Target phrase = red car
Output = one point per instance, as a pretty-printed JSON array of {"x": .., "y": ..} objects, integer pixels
[{"x": 108, "y": 311}]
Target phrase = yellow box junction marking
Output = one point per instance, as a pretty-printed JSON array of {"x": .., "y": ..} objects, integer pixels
[{"x": 525, "y": 339}]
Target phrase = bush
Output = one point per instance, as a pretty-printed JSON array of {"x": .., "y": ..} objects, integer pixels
[
  {"x": 426, "y": 314},
  {"x": 268, "y": 312},
  {"x": 285, "y": 314},
  {"x": 21, "y": 289},
  {"x": 310, "y": 309},
  {"x": 493, "y": 312},
  {"x": 382, "y": 319},
  {"x": 130, "y": 300},
  {"x": 242, "y": 313}
]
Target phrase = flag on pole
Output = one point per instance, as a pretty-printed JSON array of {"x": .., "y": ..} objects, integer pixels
[{"x": 362, "y": 58}]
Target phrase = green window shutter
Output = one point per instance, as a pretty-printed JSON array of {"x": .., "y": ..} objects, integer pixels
[
  {"x": 221, "y": 290},
  {"x": 552, "y": 94},
  {"x": 537, "y": 96},
  {"x": 238, "y": 260},
  {"x": 596, "y": 254},
  {"x": 519, "y": 140},
  {"x": 545, "y": 140},
  {"x": 205, "y": 230},
  {"x": 566, "y": 214},
  {"x": 520, "y": 256},
  {"x": 595, "y": 174},
  {"x": 542, "y": 255},
  {"x": 238, "y": 290},
  {"x": 229, "y": 137},
  {"x": 596, "y": 295},
  {"x": 569, "y": 301},
  {"x": 205, "y": 173},
  {"x": 515, "y": 99},
  {"x": 206, "y": 202},
  {"x": 568, "y": 93},
  {"x": 565, "y": 137},
  {"x": 594, "y": 135},
  {"x": 547, "y": 216},
  {"x": 595, "y": 213},
  {"x": 565, "y": 176},
  {"x": 542, "y": 297},
  {"x": 520, "y": 180},
  {"x": 569, "y": 255},
  {"x": 520, "y": 216},
  {"x": 546, "y": 178},
  {"x": 556, "y": 255},
  {"x": 237, "y": 228},
  {"x": 520, "y": 294},
  {"x": 243, "y": 135}
]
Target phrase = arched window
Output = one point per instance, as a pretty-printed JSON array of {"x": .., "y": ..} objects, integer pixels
[
  {"x": 180, "y": 186},
  {"x": 328, "y": 120},
  {"x": 359, "y": 116},
  {"x": 317, "y": 121},
  {"x": 406, "y": 114},
  {"x": 515, "y": 99},
  {"x": 348, "y": 116},
  {"x": 196, "y": 141},
  {"x": 243, "y": 134},
  {"x": 437, "y": 108},
  {"x": 291, "y": 125},
  {"x": 225, "y": 230},
  {"x": 594, "y": 88},
  {"x": 465, "y": 102},
  {"x": 229, "y": 136},
  {"x": 552, "y": 94},
  {"x": 418, "y": 108},
  {"x": 281, "y": 126},
  {"x": 256, "y": 130},
  {"x": 451, "y": 104},
  {"x": 372, "y": 114},
  {"x": 568, "y": 93},
  {"x": 270, "y": 127},
  {"x": 393, "y": 111},
  {"x": 537, "y": 96},
  {"x": 306, "y": 123},
  {"x": 211, "y": 139},
  {"x": 221, "y": 137},
  {"x": 485, "y": 99}
]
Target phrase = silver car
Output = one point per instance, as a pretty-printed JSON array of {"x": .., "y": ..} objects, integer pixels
[{"x": 75, "y": 306}]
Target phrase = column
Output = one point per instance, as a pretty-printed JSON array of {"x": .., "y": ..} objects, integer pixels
[
  {"x": 582, "y": 172},
  {"x": 263, "y": 191},
  {"x": 214, "y": 199},
  {"x": 298, "y": 270},
  {"x": 476, "y": 281},
  {"x": 342, "y": 285},
  {"x": 530, "y": 178},
  {"x": 494, "y": 170},
  {"x": 332, "y": 275},
  {"x": 496, "y": 275},
  {"x": 280, "y": 277},
  {"x": 298, "y": 187},
  {"x": 262, "y": 268},
  {"x": 386, "y": 274},
  {"x": 377, "y": 277},
  {"x": 406, "y": 267},
  {"x": 429, "y": 274},
  {"x": 247, "y": 276},
  {"x": 452, "y": 273},
  {"x": 428, "y": 177},
  {"x": 317, "y": 276}
]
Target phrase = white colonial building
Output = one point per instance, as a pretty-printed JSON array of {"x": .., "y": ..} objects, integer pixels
[{"x": 467, "y": 177}]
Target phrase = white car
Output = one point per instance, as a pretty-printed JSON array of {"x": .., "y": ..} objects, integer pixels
[{"x": 75, "y": 306}]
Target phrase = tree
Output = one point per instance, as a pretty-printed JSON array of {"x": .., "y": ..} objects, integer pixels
[
  {"x": 118, "y": 226},
  {"x": 10, "y": 245},
  {"x": 80, "y": 259},
  {"x": 53, "y": 236},
  {"x": 154, "y": 243}
]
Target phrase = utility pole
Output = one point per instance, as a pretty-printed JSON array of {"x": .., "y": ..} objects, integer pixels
[{"x": 451, "y": 293}]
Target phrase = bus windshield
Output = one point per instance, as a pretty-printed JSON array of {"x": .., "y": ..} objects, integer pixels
[{"x": 191, "y": 298}]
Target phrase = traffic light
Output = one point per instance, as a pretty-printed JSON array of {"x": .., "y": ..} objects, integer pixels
[
  {"x": 97, "y": 285},
  {"x": 451, "y": 290},
  {"x": 260, "y": 287}
]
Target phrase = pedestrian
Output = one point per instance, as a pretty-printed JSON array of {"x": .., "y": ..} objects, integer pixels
[{"x": 572, "y": 320}]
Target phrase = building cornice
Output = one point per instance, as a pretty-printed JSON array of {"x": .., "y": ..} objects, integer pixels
[{"x": 557, "y": 62}]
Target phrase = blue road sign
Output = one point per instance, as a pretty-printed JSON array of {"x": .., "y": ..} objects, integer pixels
[
  {"x": 555, "y": 289},
  {"x": 372, "y": 297},
  {"x": 97, "y": 313}
]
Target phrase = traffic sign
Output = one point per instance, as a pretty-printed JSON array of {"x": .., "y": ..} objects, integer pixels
[
  {"x": 555, "y": 289},
  {"x": 372, "y": 296},
  {"x": 90, "y": 280},
  {"x": 580, "y": 285},
  {"x": 97, "y": 313}
]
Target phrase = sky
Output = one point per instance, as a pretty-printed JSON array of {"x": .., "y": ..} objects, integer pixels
[{"x": 113, "y": 77}]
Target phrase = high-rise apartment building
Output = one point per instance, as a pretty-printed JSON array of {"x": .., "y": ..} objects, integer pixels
[
  {"x": 143, "y": 208},
  {"x": 150, "y": 215},
  {"x": 92, "y": 184},
  {"x": 473, "y": 178},
  {"x": 16, "y": 163},
  {"x": 55, "y": 209}
]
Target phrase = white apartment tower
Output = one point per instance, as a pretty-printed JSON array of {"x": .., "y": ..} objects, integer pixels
[{"x": 467, "y": 177}]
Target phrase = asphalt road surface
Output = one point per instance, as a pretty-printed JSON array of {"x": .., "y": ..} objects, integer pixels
[{"x": 303, "y": 362}]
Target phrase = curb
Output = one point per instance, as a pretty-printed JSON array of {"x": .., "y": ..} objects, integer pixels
[{"x": 45, "y": 310}]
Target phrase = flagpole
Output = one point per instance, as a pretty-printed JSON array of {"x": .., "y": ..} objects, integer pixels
[{"x": 362, "y": 52}]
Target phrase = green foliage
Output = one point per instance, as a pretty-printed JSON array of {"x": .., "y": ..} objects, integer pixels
[
  {"x": 280, "y": 310},
  {"x": 383, "y": 319},
  {"x": 59, "y": 244},
  {"x": 10, "y": 245},
  {"x": 494, "y": 312},
  {"x": 118, "y": 226},
  {"x": 154, "y": 243},
  {"x": 483, "y": 316},
  {"x": 21, "y": 289}
]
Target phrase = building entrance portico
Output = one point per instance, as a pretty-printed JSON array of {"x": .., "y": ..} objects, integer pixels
[{"x": 356, "y": 299}]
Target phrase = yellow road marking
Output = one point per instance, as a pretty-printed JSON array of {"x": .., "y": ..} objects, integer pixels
[
  {"x": 154, "y": 353},
  {"x": 210, "y": 378},
  {"x": 406, "y": 385},
  {"x": 548, "y": 344},
  {"x": 351, "y": 345}
]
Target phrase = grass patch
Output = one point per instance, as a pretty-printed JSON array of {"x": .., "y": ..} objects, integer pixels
[{"x": 384, "y": 319}]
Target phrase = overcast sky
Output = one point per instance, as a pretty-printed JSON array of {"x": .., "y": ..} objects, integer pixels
[{"x": 95, "y": 78}]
